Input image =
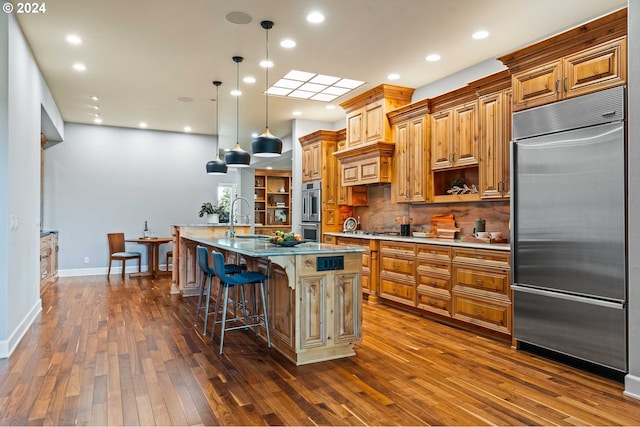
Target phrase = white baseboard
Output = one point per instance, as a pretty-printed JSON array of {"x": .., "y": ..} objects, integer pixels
[
  {"x": 632, "y": 386},
  {"x": 102, "y": 271},
  {"x": 8, "y": 346}
]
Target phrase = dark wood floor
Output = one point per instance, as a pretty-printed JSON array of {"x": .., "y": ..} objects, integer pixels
[{"x": 127, "y": 353}]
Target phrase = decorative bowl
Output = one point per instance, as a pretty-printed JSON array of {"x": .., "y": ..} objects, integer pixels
[{"x": 287, "y": 243}]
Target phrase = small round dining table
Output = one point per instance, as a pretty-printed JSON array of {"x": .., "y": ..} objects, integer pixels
[{"x": 153, "y": 255}]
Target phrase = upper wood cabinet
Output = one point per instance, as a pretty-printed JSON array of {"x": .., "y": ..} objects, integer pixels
[
  {"x": 454, "y": 130},
  {"x": 367, "y": 114},
  {"x": 410, "y": 127},
  {"x": 585, "y": 59},
  {"x": 311, "y": 162},
  {"x": 494, "y": 104}
]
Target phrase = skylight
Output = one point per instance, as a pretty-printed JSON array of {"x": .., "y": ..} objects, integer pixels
[{"x": 319, "y": 87}]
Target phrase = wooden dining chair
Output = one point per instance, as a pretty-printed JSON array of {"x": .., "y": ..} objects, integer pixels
[{"x": 117, "y": 252}]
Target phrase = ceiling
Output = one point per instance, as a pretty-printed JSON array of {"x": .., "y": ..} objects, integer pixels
[{"x": 142, "y": 55}]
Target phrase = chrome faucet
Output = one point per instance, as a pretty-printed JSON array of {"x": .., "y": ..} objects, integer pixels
[{"x": 232, "y": 233}]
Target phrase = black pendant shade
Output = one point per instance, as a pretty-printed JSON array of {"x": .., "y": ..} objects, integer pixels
[
  {"x": 217, "y": 166},
  {"x": 237, "y": 157},
  {"x": 266, "y": 145}
]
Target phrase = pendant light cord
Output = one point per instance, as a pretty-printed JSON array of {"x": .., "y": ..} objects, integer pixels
[
  {"x": 217, "y": 122},
  {"x": 238, "y": 102},
  {"x": 266, "y": 83}
]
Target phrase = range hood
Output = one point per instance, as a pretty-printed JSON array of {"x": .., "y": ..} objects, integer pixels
[{"x": 368, "y": 150}]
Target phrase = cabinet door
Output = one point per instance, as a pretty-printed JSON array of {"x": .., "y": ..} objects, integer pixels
[
  {"x": 375, "y": 122},
  {"x": 491, "y": 138},
  {"x": 536, "y": 86},
  {"x": 505, "y": 188},
  {"x": 355, "y": 128},
  {"x": 281, "y": 306},
  {"x": 346, "y": 295},
  {"x": 441, "y": 140},
  {"x": 307, "y": 163},
  {"x": 597, "y": 68},
  {"x": 417, "y": 153},
  {"x": 316, "y": 161},
  {"x": 401, "y": 169},
  {"x": 465, "y": 135},
  {"x": 313, "y": 311}
]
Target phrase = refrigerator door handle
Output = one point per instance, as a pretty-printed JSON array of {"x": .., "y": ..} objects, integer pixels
[{"x": 609, "y": 304}]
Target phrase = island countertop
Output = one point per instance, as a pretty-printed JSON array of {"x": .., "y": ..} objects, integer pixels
[{"x": 258, "y": 246}]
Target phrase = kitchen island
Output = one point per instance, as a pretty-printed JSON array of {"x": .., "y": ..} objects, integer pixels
[{"x": 314, "y": 292}]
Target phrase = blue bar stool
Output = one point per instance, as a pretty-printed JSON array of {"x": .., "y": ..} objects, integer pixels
[
  {"x": 250, "y": 277},
  {"x": 205, "y": 284}
]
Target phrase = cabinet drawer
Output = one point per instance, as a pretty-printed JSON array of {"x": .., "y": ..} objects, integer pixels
[
  {"x": 481, "y": 257},
  {"x": 433, "y": 252},
  {"x": 398, "y": 249},
  {"x": 488, "y": 280},
  {"x": 434, "y": 282},
  {"x": 397, "y": 265},
  {"x": 397, "y": 291},
  {"x": 482, "y": 312},
  {"x": 433, "y": 302},
  {"x": 428, "y": 268}
]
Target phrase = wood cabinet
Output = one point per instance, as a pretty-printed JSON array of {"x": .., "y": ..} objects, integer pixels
[
  {"x": 397, "y": 272},
  {"x": 319, "y": 164},
  {"x": 481, "y": 289},
  {"x": 272, "y": 201},
  {"x": 48, "y": 259},
  {"x": 495, "y": 97},
  {"x": 433, "y": 276},
  {"x": 584, "y": 59},
  {"x": 367, "y": 114},
  {"x": 369, "y": 261},
  {"x": 411, "y": 160},
  {"x": 353, "y": 195},
  {"x": 455, "y": 137}
]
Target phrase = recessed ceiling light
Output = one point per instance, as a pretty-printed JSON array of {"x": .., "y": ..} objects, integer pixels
[
  {"x": 96, "y": 115},
  {"x": 331, "y": 107},
  {"x": 79, "y": 66},
  {"x": 297, "y": 113},
  {"x": 393, "y": 76},
  {"x": 94, "y": 98},
  {"x": 319, "y": 87},
  {"x": 315, "y": 17},
  {"x": 266, "y": 64},
  {"x": 95, "y": 107},
  {"x": 288, "y": 43},
  {"x": 97, "y": 120},
  {"x": 249, "y": 79},
  {"x": 479, "y": 35},
  {"x": 143, "y": 125},
  {"x": 184, "y": 99},
  {"x": 73, "y": 39},
  {"x": 433, "y": 57},
  {"x": 187, "y": 128},
  {"x": 269, "y": 167},
  {"x": 236, "y": 92}
]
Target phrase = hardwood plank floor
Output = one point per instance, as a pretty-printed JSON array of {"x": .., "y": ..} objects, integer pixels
[{"x": 126, "y": 353}]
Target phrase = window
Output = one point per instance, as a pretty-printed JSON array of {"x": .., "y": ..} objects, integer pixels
[{"x": 226, "y": 193}]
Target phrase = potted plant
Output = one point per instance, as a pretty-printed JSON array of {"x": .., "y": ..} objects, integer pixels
[{"x": 212, "y": 212}]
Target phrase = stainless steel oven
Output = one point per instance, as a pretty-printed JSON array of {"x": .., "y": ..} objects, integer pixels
[
  {"x": 311, "y": 202},
  {"x": 311, "y": 231}
]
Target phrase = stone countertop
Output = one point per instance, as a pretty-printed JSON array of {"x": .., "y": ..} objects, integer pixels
[
  {"x": 47, "y": 232},
  {"x": 259, "y": 246},
  {"x": 430, "y": 241},
  {"x": 205, "y": 225}
]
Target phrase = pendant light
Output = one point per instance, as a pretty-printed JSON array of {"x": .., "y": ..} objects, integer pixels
[
  {"x": 217, "y": 166},
  {"x": 237, "y": 158},
  {"x": 267, "y": 145}
]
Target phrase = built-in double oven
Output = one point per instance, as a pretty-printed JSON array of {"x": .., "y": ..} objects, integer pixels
[{"x": 311, "y": 209}]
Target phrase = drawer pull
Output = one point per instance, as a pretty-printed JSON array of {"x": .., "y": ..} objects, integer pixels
[
  {"x": 479, "y": 281},
  {"x": 479, "y": 257},
  {"x": 433, "y": 303},
  {"x": 478, "y": 311},
  {"x": 432, "y": 283}
]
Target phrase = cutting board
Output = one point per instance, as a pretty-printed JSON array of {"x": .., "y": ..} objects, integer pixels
[{"x": 442, "y": 221}]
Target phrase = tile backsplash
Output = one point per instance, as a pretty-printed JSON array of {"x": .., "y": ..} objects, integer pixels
[{"x": 381, "y": 214}]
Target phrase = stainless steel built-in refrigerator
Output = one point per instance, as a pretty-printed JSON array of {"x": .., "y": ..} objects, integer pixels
[{"x": 569, "y": 227}]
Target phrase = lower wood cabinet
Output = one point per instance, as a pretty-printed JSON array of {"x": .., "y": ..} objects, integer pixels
[
  {"x": 48, "y": 259},
  {"x": 369, "y": 260},
  {"x": 398, "y": 271},
  {"x": 481, "y": 289},
  {"x": 433, "y": 275}
]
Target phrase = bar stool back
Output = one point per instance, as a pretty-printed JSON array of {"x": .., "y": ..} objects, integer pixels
[
  {"x": 250, "y": 277},
  {"x": 202, "y": 255}
]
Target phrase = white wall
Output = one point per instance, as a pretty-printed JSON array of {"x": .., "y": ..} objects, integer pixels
[
  {"x": 23, "y": 94},
  {"x": 632, "y": 380},
  {"x": 106, "y": 179}
]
